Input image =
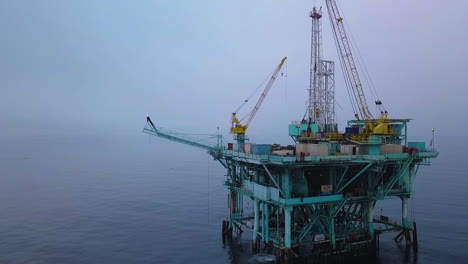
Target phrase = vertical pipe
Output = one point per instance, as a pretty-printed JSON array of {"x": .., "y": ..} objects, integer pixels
[
  {"x": 406, "y": 135},
  {"x": 286, "y": 184},
  {"x": 256, "y": 220},
  {"x": 312, "y": 74},
  {"x": 332, "y": 233},
  {"x": 332, "y": 177},
  {"x": 277, "y": 224},
  {"x": 262, "y": 221},
  {"x": 287, "y": 226},
  {"x": 240, "y": 206},
  {"x": 232, "y": 205},
  {"x": 370, "y": 218},
  {"x": 236, "y": 205},
  {"x": 404, "y": 211},
  {"x": 433, "y": 143},
  {"x": 266, "y": 223},
  {"x": 415, "y": 237}
]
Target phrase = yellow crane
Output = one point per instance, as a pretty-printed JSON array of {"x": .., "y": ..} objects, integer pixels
[{"x": 236, "y": 126}]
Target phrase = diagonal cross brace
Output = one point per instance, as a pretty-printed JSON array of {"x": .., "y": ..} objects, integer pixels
[
  {"x": 307, "y": 228},
  {"x": 401, "y": 171},
  {"x": 338, "y": 208},
  {"x": 342, "y": 176},
  {"x": 354, "y": 178},
  {"x": 273, "y": 180}
]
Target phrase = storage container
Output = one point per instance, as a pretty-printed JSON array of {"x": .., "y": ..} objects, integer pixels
[
  {"x": 261, "y": 149},
  {"x": 248, "y": 148},
  {"x": 421, "y": 146},
  {"x": 312, "y": 149},
  {"x": 391, "y": 148}
]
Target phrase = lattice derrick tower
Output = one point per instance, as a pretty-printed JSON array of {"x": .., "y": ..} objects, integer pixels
[{"x": 321, "y": 106}]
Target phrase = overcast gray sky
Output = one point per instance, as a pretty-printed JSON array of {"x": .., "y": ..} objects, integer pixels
[{"x": 100, "y": 66}]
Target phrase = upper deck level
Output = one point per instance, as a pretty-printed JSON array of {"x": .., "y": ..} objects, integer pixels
[{"x": 305, "y": 160}]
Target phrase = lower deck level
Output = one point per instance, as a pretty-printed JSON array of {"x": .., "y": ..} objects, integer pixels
[{"x": 319, "y": 208}]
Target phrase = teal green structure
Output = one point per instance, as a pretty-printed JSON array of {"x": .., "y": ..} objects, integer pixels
[{"x": 318, "y": 203}]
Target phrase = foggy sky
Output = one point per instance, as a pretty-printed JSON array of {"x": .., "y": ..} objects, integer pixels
[{"x": 97, "y": 67}]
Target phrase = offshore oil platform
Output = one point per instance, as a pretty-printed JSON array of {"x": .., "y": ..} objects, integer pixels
[{"x": 315, "y": 199}]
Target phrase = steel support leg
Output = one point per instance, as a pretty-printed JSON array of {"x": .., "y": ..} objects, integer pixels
[
  {"x": 256, "y": 220},
  {"x": 286, "y": 185},
  {"x": 404, "y": 211},
  {"x": 332, "y": 233},
  {"x": 287, "y": 226},
  {"x": 265, "y": 223},
  {"x": 370, "y": 218}
]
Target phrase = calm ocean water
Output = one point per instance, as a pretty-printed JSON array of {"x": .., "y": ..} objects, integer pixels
[{"x": 136, "y": 199}]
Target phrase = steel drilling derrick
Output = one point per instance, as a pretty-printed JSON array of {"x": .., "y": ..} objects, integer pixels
[{"x": 321, "y": 108}]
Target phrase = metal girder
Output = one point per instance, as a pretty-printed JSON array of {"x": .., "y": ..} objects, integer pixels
[
  {"x": 245, "y": 173},
  {"x": 323, "y": 225},
  {"x": 222, "y": 163},
  {"x": 342, "y": 176},
  {"x": 397, "y": 176},
  {"x": 379, "y": 175},
  {"x": 214, "y": 150},
  {"x": 273, "y": 180},
  {"x": 338, "y": 208},
  {"x": 307, "y": 228},
  {"x": 353, "y": 214},
  {"x": 348, "y": 63},
  {"x": 354, "y": 178}
]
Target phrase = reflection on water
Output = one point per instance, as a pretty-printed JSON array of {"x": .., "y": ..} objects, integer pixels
[{"x": 239, "y": 251}]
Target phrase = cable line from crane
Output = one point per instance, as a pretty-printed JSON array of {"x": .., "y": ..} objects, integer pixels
[
  {"x": 348, "y": 88},
  {"x": 305, "y": 114},
  {"x": 285, "y": 75},
  {"x": 348, "y": 64},
  {"x": 351, "y": 69},
  {"x": 262, "y": 84},
  {"x": 246, "y": 115},
  {"x": 286, "y": 78},
  {"x": 346, "y": 77},
  {"x": 362, "y": 65},
  {"x": 240, "y": 129}
]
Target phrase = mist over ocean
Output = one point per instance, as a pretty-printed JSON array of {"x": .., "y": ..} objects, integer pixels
[
  {"x": 140, "y": 199},
  {"x": 80, "y": 182}
]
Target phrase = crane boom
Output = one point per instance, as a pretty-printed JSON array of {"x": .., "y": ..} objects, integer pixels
[
  {"x": 237, "y": 128},
  {"x": 214, "y": 149},
  {"x": 349, "y": 66}
]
